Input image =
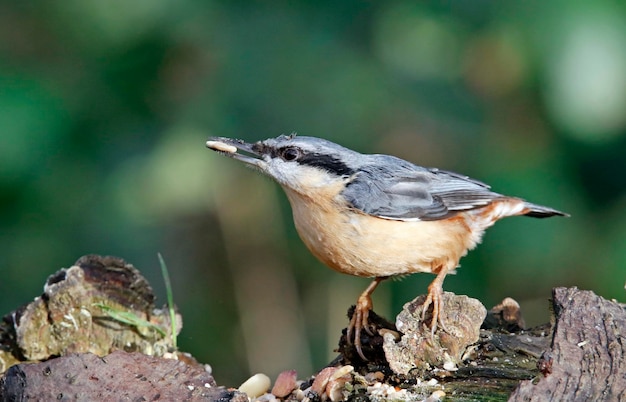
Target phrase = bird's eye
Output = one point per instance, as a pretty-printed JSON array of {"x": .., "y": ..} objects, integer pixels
[{"x": 290, "y": 154}]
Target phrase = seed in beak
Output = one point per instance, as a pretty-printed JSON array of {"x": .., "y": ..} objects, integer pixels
[{"x": 221, "y": 146}]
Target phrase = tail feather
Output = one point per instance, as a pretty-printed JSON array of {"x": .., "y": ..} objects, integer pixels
[{"x": 539, "y": 211}]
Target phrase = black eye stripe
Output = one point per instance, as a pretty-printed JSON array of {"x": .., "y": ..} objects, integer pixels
[{"x": 326, "y": 162}]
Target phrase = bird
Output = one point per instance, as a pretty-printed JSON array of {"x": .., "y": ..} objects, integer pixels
[{"x": 378, "y": 216}]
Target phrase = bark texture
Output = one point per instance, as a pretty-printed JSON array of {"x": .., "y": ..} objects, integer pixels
[
  {"x": 119, "y": 376},
  {"x": 95, "y": 335},
  {"x": 587, "y": 358}
]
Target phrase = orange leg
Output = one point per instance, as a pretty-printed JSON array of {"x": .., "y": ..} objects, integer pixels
[
  {"x": 359, "y": 319},
  {"x": 435, "y": 295}
]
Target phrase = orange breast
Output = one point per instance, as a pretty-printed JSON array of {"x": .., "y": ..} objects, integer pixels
[{"x": 358, "y": 244}]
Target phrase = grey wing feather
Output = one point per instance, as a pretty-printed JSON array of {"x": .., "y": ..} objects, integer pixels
[{"x": 404, "y": 191}]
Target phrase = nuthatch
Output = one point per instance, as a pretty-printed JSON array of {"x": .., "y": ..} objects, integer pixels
[{"x": 378, "y": 216}]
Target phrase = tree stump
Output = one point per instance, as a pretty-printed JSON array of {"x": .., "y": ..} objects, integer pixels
[{"x": 76, "y": 350}]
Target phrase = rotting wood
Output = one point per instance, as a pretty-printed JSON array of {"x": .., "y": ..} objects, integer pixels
[{"x": 580, "y": 357}]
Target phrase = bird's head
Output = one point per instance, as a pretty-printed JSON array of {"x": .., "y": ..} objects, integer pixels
[{"x": 295, "y": 162}]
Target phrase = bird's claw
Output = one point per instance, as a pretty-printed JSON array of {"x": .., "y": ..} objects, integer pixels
[
  {"x": 360, "y": 317},
  {"x": 358, "y": 322},
  {"x": 434, "y": 297}
]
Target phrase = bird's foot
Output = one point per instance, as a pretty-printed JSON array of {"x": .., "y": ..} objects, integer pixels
[
  {"x": 434, "y": 297},
  {"x": 360, "y": 317},
  {"x": 360, "y": 321}
]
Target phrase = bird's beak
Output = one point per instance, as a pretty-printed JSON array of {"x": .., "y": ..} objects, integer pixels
[{"x": 233, "y": 148}]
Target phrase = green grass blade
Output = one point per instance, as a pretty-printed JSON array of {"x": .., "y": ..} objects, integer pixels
[{"x": 170, "y": 298}]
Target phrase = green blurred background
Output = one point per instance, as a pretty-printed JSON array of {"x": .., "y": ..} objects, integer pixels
[{"x": 105, "y": 107}]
